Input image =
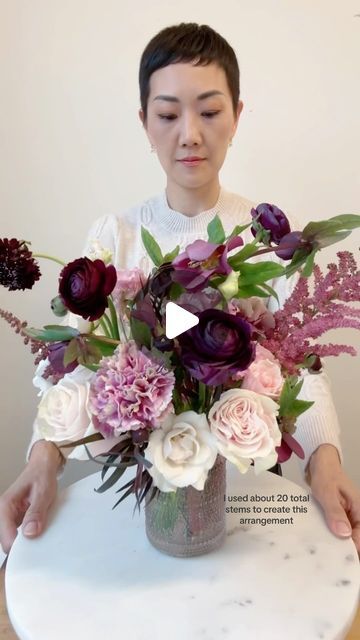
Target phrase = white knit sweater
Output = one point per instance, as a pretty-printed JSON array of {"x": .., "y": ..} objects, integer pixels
[{"x": 122, "y": 235}]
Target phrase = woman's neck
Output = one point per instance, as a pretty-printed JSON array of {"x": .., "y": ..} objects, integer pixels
[{"x": 191, "y": 202}]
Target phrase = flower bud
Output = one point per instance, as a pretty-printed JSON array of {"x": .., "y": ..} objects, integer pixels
[{"x": 58, "y": 307}]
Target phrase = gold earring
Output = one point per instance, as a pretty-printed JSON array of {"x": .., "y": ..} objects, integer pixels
[
  {"x": 152, "y": 148},
  {"x": 230, "y": 143}
]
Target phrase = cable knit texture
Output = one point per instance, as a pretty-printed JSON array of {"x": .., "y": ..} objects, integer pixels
[{"x": 122, "y": 235}]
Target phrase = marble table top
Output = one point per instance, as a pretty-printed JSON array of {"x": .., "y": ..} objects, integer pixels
[{"x": 94, "y": 574}]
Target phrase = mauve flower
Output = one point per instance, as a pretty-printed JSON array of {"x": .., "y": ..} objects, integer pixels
[
  {"x": 217, "y": 347},
  {"x": 128, "y": 283},
  {"x": 288, "y": 446},
  {"x": 246, "y": 428},
  {"x": 254, "y": 311},
  {"x": 84, "y": 286},
  {"x": 201, "y": 260},
  {"x": 130, "y": 391},
  {"x": 56, "y": 351},
  {"x": 18, "y": 269},
  {"x": 272, "y": 219}
]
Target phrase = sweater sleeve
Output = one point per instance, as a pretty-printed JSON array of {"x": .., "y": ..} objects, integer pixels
[{"x": 102, "y": 234}]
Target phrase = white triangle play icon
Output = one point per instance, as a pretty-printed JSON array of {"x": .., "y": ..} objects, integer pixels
[{"x": 178, "y": 320}]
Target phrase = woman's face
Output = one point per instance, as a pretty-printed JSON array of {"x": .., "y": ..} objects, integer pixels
[{"x": 185, "y": 121}]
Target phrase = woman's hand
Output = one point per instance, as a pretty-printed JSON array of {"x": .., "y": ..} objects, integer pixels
[
  {"x": 28, "y": 499},
  {"x": 335, "y": 492}
]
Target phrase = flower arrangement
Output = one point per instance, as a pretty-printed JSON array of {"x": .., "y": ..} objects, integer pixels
[{"x": 229, "y": 386}]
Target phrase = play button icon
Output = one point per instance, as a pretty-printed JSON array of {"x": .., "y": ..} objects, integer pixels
[{"x": 178, "y": 320}]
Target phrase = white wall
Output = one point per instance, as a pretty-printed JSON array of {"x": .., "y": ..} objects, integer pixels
[{"x": 72, "y": 147}]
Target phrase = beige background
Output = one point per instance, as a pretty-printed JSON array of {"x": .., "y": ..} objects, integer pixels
[{"x": 72, "y": 147}]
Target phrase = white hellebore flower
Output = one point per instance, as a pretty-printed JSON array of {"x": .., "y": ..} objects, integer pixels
[
  {"x": 245, "y": 426},
  {"x": 97, "y": 252},
  {"x": 182, "y": 452}
]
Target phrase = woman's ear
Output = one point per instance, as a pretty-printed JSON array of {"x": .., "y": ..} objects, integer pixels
[
  {"x": 238, "y": 113},
  {"x": 142, "y": 117}
]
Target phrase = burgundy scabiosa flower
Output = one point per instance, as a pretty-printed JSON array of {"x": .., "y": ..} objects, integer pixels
[
  {"x": 84, "y": 285},
  {"x": 200, "y": 260},
  {"x": 272, "y": 219},
  {"x": 217, "y": 347},
  {"x": 18, "y": 268}
]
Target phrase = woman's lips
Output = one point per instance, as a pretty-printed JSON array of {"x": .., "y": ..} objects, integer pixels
[{"x": 192, "y": 163}]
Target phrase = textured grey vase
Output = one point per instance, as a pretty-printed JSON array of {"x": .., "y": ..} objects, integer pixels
[{"x": 189, "y": 522}]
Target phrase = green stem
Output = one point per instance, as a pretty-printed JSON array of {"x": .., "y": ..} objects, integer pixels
[
  {"x": 202, "y": 396},
  {"x": 114, "y": 321},
  {"x": 105, "y": 339},
  {"x": 104, "y": 326},
  {"x": 47, "y": 257}
]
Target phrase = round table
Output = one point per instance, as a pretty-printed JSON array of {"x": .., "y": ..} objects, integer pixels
[{"x": 94, "y": 574}]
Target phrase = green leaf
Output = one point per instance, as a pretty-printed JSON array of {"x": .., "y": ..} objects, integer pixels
[
  {"x": 216, "y": 231},
  {"x": 298, "y": 259},
  {"x": 152, "y": 247},
  {"x": 175, "y": 291},
  {"x": 259, "y": 272},
  {"x": 327, "y": 228},
  {"x": 169, "y": 257},
  {"x": 237, "y": 231},
  {"x": 140, "y": 332},
  {"x": 289, "y": 405},
  {"x": 251, "y": 290},
  {"x": 244, "y": 254},
  {"x": 105, "y": 348},
  {"x": 71, "y": 352},
  {"x": 52, "y": 333},
  {"x": 309, "y": 264},
  {"x": 271, "y": 292}
]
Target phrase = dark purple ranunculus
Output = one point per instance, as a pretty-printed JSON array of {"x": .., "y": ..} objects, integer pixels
[
  {"x": 56, "y": 353},
  {"x": 217, "y": 347},
  {"x": 18, "y": 268},
  {"x": 84, "y": 286},
  {"x": 289, "y": 244},
  {"x": 272, "y": 219},
  {"x": 200, "y": 260}
]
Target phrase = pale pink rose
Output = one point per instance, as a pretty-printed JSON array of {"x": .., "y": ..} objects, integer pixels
[
  {"x": 245, "y": 426},
  {"x": 264, "y": 374},
  {"x": 253, "y": 310}
]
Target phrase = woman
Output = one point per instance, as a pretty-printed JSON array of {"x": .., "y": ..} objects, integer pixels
[{"x": 190, "y": 109}]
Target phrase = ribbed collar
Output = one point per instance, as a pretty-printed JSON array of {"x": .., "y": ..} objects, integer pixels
[{"x": 178, "y": 222}]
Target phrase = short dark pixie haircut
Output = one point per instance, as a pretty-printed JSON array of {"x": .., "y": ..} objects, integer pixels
[{"x": 188, "y": 42}]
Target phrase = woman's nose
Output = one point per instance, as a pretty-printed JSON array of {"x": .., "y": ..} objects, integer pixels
[{"x": 190, "y": 133}]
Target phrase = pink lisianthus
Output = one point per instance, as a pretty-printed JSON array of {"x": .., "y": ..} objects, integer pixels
[
  {"x": 245, "y": 426},
  {"x": 130, "y": 391},
  {"x": 254, "y": 311},
  {"x": 264, "y": 374}
]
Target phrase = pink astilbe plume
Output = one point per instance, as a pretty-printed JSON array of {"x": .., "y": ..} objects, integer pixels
[{"x": 306, "y": 316}]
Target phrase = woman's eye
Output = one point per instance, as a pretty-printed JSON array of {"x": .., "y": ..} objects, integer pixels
[
  {"x": 170, "y": 116},
  {"x": 210, "y": 114}
]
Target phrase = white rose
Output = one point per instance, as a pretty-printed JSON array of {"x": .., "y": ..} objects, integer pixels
[
  {"x": 63, "y": 412},
  {"x": 245, "y": 426},
  {"x": 182, "y": 452}
]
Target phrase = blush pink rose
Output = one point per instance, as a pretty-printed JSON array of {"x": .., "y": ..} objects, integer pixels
[
  {"x": 264, "y": 374},
  {"x": 245, "y": 426}
]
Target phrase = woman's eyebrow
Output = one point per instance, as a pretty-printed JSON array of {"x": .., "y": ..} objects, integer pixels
[{"x": 202, "y": 96}]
